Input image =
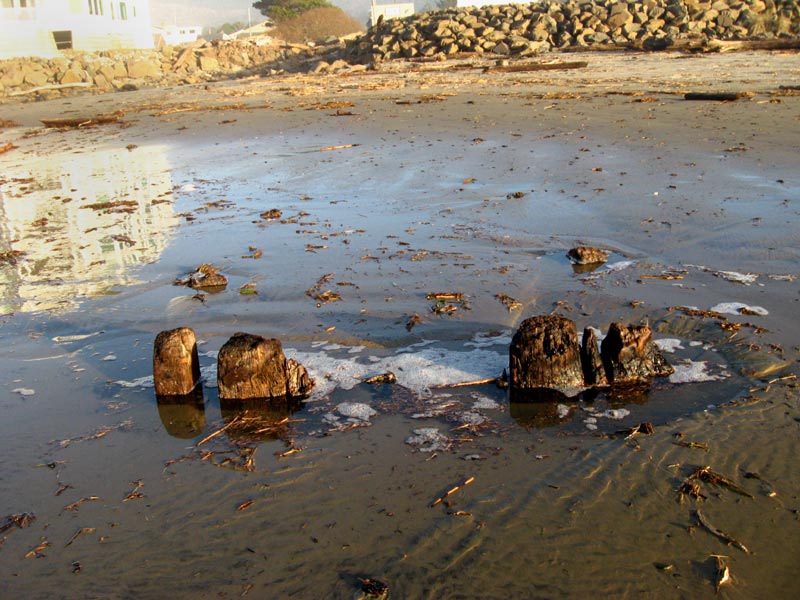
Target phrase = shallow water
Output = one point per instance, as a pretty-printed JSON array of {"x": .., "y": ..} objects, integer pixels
[{"x": 560, "y": 505}]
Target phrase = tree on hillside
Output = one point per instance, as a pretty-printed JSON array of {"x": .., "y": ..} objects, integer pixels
[{"x": 282, "y": 10}]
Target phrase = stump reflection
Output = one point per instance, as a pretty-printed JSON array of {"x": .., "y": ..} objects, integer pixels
[
  {"x": 183, "y": 416},
  {"x": 258, "y": 419}
]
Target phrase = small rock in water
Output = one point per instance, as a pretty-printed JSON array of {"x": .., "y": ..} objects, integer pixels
[{"x": 586, "y": 255}]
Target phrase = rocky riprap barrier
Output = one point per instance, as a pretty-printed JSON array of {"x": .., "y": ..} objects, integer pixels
[
  {"x": 515, "y": 30},
  {"x": 122, "y": 70},
  {"x": 527, "y": 29}
]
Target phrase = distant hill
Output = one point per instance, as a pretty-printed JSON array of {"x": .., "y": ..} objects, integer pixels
[{"x": 213, "y": 13}]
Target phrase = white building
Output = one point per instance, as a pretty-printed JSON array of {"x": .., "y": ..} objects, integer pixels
[
  {"x": 397, "y": 10},
  {"x": 174, "y": 35},
  {"x": 42, "y": 27}
]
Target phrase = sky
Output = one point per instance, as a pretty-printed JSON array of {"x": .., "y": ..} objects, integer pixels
[{"x": 216, "y": 12}]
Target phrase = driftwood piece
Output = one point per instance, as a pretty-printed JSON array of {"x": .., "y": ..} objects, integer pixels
[
  {"x": 545, "y": 353},
  {"x": 630, "y": 355},
  {"x": 719, "y": 533},
  {"x": 68, "y": 123},
  {"x": 716, "y": 96},
  {"x": 176, "y": 368},
  {"x": 537, "y": 66},
  {"x": 593, "y": 371},
  {"x": 54, "y": 86},
  {"x": 251, "y": 366}
]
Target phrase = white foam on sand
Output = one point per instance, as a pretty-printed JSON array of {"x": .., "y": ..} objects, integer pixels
[
  {"x": 736, "y": 308},
  {"x": 620, "y": 265},
  {"x": 610, "y": 413},
  {"x": 669, "y": 345},
  {"x": 693, "y": 372},
  {"x": 143, "y": 382},
  {"x": 497, "y": 338},
  {"x": 428, "y": 439},
  {"x": 484, "y": 403},
  {"x": 745, "y": 278},
  {"x": 415, "y": 370},
  {"x": 356, "y": 410}
]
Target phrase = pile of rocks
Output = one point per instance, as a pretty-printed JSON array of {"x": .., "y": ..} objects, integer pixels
[
  {"x": 514, "y": 29},
  {"x": 121, "y": 70},
  {"x": 523, "y": 30}
]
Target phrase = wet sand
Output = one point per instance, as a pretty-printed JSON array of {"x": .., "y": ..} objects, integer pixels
[{"x": 397, "y": 184}]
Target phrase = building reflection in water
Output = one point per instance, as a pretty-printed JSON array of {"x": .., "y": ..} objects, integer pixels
[{"x": 81, "y": 221}]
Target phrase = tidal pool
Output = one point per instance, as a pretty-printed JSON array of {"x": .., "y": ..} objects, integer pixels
[{"x": 138, "y": 497}]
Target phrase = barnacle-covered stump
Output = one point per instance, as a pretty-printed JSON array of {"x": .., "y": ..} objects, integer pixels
[
  {"x": 545, "y": 353},
  {"x": 251, "y": 366},
  {"x": 176, "y": 368},
  {"x": 630, "y": 355}
]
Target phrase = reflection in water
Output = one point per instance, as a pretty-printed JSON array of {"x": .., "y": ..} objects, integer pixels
[
  {"x": 258, "y": 419},
  {"x": 183, "y": 416},
  {"x": 538, "y": 408},
  {"x": 81, "y": 221}
]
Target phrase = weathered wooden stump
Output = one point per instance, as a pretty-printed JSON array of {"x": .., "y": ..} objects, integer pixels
[
  {"x": 593, "y": 371},
  {"x": 544, "y": 353},
  {"x": 176, "y": 368},
  {"x": 251, "y": 366},
  {"x": 630, "y": 355}
]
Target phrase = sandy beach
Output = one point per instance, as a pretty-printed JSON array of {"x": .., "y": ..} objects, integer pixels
[{"x": 393, "y": 184}]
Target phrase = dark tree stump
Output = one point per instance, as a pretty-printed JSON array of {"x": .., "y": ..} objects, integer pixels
[
  {"x": 176, "y": 368},
  {"x": 593, "y": 371},
  {"x": 545, "y": 353},
  {"x": 629, "y": 354},
  {"x": 251, "y": 366}
]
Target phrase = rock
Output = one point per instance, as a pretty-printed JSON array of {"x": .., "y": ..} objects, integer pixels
[
  {"x": 251, "y": 366},
  {"x": 629, "y": 354},
  {"x": 586, "y": 255},
  {"x": 143, "y": 69},
  {"x": 72, "y": 76},
  {"x": 208, "y": 63},
  {"x": 593, "y": 371},
  {"x": 36, "y": 78},
  {"x": 271, "y": 214},
  {"x": 200, "y": 281},
  {"x": 176, "y": 368},
  {"x": 544, "y": 353}
]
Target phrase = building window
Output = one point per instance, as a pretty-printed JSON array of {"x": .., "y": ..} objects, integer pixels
[
  {"x": 95, "y": 7},
  {"x": 123, "y": 11},
  {"x": 17, "y": 3},
  {"x": 63, "y": 40}
]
